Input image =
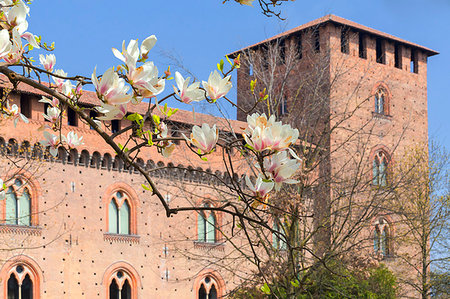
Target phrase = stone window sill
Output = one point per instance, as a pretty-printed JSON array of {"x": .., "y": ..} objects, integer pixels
[
  {"x": 209, "y": 246},
  {"x": 118, "y": 238},
  {"x": 20, "y": 229},
  {"x": 381, "y": 115}
]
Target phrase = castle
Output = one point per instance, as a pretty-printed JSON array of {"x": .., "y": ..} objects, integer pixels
[{"x": 81, "y": 225}]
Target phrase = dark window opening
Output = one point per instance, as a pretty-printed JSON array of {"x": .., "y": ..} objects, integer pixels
[
  {"x": 115, "y": 125},
  {"x": 414, "y": 68},
  {"x": 380, "y": 51},
  {"x": 265, "y": 57},
  {"x": 362, "y": 46},
  {"x": 282, "y": 47},
  {"x": 282, "y": 107},
  {"x": 299, "y": 46},
  {"x": 316, "y": 40},
  {"x": 93, "y": 114},
  {"x": 46, "y": 106},
  {"x": 25, "y": 104},
  {"x": 344, "y": 40},
  {"x": 72, "y": 119},
  {"x": 398, "y": 56}
]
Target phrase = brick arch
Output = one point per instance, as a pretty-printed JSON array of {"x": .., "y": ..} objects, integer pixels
[
  {"x": 33, "y": 187},
  {"x": 129, "y": 270},
  {"x": 207, "y": 199},
  {"x": 34, "y": 271},
  {"x": 220, "y": 283},
  {"x": 380, "y": 147},
  {"x": 133, "y": 203},
  {"x": 387, "y": 101}
]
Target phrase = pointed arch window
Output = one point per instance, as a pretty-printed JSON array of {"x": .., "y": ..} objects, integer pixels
[
  {"x": 381, "y": 102},
  {"x": 119, "y": 214},
  {"x": 120, "y": 286},
  {"x": 381, "y": 237},
  {"x": 20, "y": 283},
  {"x": 208, "y": 288},
  {"x": 206, "y": 226},
  {"x": 379, "y": 168},
  {"x": 18, "y": 204}
]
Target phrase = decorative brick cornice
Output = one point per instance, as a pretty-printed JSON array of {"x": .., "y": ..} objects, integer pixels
[
  {"x": 209, "y": 246},
  {"x": 121, "y": 238},
  {"x": 20, "y": 229}
]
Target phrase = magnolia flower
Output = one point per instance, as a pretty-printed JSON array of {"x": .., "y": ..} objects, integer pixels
[
  {"x": 261, "y": 188},
  {"x": 5, "y": 43},
  {"x": 129, "y": 55},
  {"x": 111, "y": 89},
  {"x": 168, "y": 149},
  {"x": 216, "y": 87},
  {"x": 188, "y": 93},
  {"x": 147, "y": 45},
  {"x": 15, "y": 55},
  {"x": 54, "y": 101},
  {"x": 58, "y": 81},
  {"x": 145, "y": 80},
  {"x": 53, "y": 114},
  {"x": 268, "y": 134},
  {"x": 15, "y": 114},
  {"x": 16, "y": 16},
  {"x": 73, "y": 140},
  {"x": 246, "y": 2},
  {"x": 204, "y": 138},
  {"x": 52, "y": 141},
  {"x": 280, "y": 168},
  {"x": 48, "y": 61},
  {"x": 111, "y": 112}
]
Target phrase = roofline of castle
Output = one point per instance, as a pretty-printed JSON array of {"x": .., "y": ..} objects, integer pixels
[{"x": 341, "y": 21}]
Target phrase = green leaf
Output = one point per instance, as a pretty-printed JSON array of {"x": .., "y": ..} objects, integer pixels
[
  {"x": 252, "y": 86},
  {"x": 220, "y": 65},
  {"x": 204, "y": 158},
  {"x": 265, "y": 288},
  {"x": 156, "y": 119},
  {"x": 229, "y": 61},
  {"x": 146, "y": 187},
  {"x": 135, "y": 117},
  {"x": 295, "y": 283},
  {"x": 150, "y": 138}
]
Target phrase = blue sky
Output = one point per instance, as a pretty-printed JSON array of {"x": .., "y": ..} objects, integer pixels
[{"x": 199, "y": 32}]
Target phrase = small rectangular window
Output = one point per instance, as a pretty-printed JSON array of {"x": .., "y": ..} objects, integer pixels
[
  {"x": 282, "y": 47},
  {"x": 25, "y": 104},
  {"x": 398, "y": 56},
  {"x": 46, "y": 106},
  {"x": 344, "y": 40},
  {"x": 414, "y": 68},
  {"x": 380, "y": 51},
  {"x": 93, "y": 114},
  {"x": 362, "y": 46},
  {"x": 115, "y": 125},
  {"x": 299, "y": 46},
  {"x": 72, "y": 119},
  {"x": 316, "y": 40}
]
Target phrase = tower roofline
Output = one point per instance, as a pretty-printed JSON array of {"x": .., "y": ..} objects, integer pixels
[{"x": 340, "y": 21}]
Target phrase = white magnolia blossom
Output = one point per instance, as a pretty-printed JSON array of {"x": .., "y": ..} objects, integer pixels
[
  {"x": 147, "y": 45},
  {"x": 52, "y": 141},
  {"x": 217, "y": 87},
  {"x": 188, "y": 93},
  {"x": 111, "y": 112},
  {"x": 48, "y": 61},
  {"x": 73, "y": 140},
  {"x": 58, "y": 81},
  {"x": 261, "y": 188},
  {"x": 54, "y": 101},
  {"x": 5, "y": 43},
  {"x": 268, "y": 134},
  {"x": 145, "y": 80},
  {"x": 53, "y": 114},
  {"x": 280, "y": 168},
  {"x": 15, "y": 55},
  {"x": 15, "y": 114},
  {"x": 111, "y": 89},
  {"x": 204, "y": 138},
  {"x": 167, "y": 146}
]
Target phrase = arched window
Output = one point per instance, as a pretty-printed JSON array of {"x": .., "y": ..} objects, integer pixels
[
  {"x": 206, "y": 226},
  {"x": 380, "y": 101},
  {"x": 381, "y": 237},
  {"x": 21, "y": 279},
  {"x": 380, "y": 166},
  {"x": 277, "y": 240},
  {"x": 120, "y": 286},
  {"x": 208, "y": 288},
  {"x": 119, "y": 214},
  {"x": 18, "y": 203}
]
